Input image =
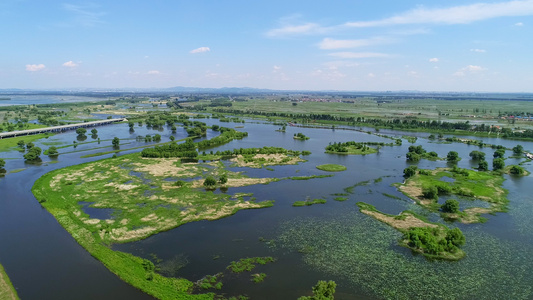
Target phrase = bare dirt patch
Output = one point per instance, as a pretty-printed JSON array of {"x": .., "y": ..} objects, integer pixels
[
  {"x": 406, "y": 223},
  {"x": 165, "y": 167}
]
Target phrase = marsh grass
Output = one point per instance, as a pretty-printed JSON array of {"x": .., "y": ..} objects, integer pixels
[{"x": 353, "y": 244}]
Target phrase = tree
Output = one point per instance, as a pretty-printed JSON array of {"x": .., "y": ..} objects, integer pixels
[
  {"x": 409, "y": 171},
  {"x": 116, "y": 142},
  {"x": 157, "y": 138},
  {"x": 453, "y": 157},
  {"x": 323, "y": 290},
  {"x": 516, "y": 170},
  {"x": 172, "y": 138},
  {"x": 500, "y": 153},
  {"x": 498, "y": 164},
  {"x": 94, "y": 131},
  {"x": 477, "y": 155},
  {"x": 518, "y": 150},
  {"x": 131, "y": 124},
  {"x": 483, "y": 165},
  {"x": 52, "y": 151},
  {"x": 412, "y": 156},
  {"x": 173, "y": 128},
  {"x": 21, "y": 143},
  {"x": 2, "y": 165},
  {"x": 210, "y": 182},
  {"x": 430, "y": 192},
  {"x": 223, "y": 179},
  {"x": 81, "y": 131},
  {"x": 29, "y": 145},
  {"x": 33, "y": 154},
  {"x": 450, "y": 206}
]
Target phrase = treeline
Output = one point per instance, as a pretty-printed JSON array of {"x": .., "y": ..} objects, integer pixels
[
  {"x": 254, "y": 151},
  {"x": 226, "y": 135},
  {"x": 188, "y": 149},
  {"x": 394, "y": 123}
]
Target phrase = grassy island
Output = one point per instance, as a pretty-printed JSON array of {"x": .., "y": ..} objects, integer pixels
[
  {"x": 309, "y": 202},
  {"x": 132, "y": 197},
  {"x": 300, "y": 136},
  {"x": 353, "y": 148},
  {"x": 432, "y": 240},
  {"x": 7, "y": 291},
  {"x": 331, "y": 168},
  {"x": 425, "y": 186}
]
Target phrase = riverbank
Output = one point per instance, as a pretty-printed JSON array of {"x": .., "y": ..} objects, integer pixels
[{"x": 7, "y": 291}]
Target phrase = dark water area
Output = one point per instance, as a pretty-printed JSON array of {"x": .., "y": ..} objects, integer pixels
[{"x": 44, "y": 261}]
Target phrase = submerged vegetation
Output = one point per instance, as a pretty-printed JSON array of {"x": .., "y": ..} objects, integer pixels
[{"x": 432, "y": 240}]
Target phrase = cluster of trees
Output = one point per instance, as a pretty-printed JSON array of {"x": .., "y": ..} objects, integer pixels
[
  {"x": 254, "y": 151},
  {"x": 2, "y": 165},
  {"x": 428, "y": 239},
  {"x": 418, "y": 152},
  {"x": 323, "y": 290},
  {"x": 450, "y": 206},
  {"x": 186, "y": 150},
  {"x": 210, "y": 182},
  {"x": 343, "y": 147},
  {"x": 300, "y": 136},
  {"x": 226, "y": 135}
]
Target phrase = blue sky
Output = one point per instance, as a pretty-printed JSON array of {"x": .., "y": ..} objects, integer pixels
[{"x": 317, "y": 45}]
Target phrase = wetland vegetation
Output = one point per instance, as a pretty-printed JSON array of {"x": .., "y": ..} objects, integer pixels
[{"x": 182, "y": 168}]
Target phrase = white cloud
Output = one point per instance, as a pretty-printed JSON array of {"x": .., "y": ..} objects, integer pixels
[
  {"x": 358, "y": 54},
  {"x": 329, "y": 44},
  {"x": 276, "y": 68},
  {"x": 200, "y": 50},
  {"x": 478, "y": 50},
  {"x": 304, "y": 29},
  {"x": 519, "y": 24},
  {"x": 70, "y": 64},
  {"x": 153, "y": 72},
  {"x": 85, "y": 15},
  {"x": 434, "y": 60},
  {"x": 454, "y": 15},
  {"x": 371, "y": 75},
  {"x": 470, "y": 69},
  {"x": 34, "y": 68}
]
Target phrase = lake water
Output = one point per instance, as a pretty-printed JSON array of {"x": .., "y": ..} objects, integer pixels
[{"x": 358, "y": 252}]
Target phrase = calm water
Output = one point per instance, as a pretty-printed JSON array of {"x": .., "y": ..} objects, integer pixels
[{"x": 44, "y": 262}]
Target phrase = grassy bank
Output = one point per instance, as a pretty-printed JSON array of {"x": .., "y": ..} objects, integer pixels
[
  {"x": 7, "y": 291},
  {"x": 11, "y": 143}
]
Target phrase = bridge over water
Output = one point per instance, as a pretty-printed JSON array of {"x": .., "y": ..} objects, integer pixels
[{"x": 61, "y": 128}]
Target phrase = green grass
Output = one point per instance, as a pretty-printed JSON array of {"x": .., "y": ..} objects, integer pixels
[
  {"x": 331, "y": 167},
  {"x": 7, "y": 291},
  {"x": 309, "y": 202},
  {"x": 467, "y": 184},
  {"x": 11, "y": 143}
]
